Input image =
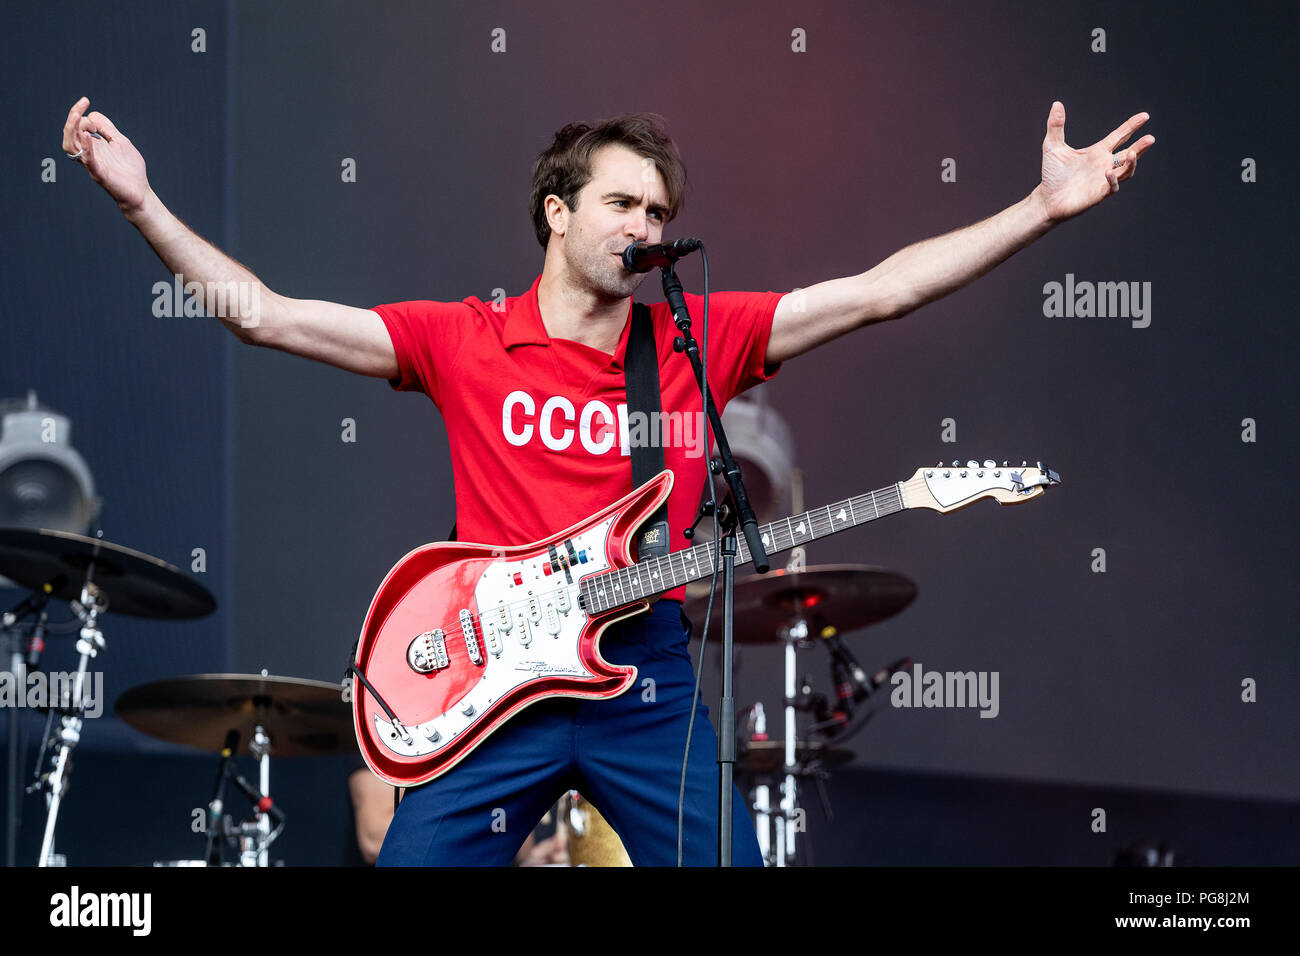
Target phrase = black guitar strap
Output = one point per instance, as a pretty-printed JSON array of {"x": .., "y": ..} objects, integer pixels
[{"x": 641, "y": 375}]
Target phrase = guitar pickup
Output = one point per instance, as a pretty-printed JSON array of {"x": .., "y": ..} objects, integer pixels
[
  {"x": 493, "y": 639},
  {"x": 525, "y": 632},
  {"x": 471, "y": 639}
]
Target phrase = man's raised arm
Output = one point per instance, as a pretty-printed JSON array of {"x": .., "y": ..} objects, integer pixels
[
  {"x": 1073, "y": 180},
  {"x": 349, "y": 338}
]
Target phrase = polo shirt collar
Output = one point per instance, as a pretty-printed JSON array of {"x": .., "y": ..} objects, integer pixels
[{"x": 524, "y": 325}]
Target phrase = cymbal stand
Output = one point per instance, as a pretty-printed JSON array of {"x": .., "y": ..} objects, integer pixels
[
  {"x": 90, "y": 642},
  {"x": 784, "y": 851},
  {"x": 255, "y": 847},
  {"x": 762, "y": 793}
]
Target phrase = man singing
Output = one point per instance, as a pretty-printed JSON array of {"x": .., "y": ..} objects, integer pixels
[{"x": 532, "y": 390}]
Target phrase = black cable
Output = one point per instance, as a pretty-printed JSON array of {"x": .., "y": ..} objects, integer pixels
[{"x": 713, "y": 582}]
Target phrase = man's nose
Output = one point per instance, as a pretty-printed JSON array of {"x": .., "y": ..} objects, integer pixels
[{"x": 638, "y": 227}]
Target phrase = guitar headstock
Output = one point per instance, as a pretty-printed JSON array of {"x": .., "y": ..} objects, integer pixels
[{"x": 950, "y": 487}]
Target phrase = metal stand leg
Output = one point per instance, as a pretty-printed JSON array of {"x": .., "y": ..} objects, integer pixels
[{"x": 89, "y": 644}]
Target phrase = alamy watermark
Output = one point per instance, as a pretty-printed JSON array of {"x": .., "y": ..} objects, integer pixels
[
  {"x": 39, "y": 690},
  {"x": 922, "y": 688},
  {"x": 226, "y": 300},
  {"x": 1103, "y": 300},
  {"x": 74, "y": 908}
]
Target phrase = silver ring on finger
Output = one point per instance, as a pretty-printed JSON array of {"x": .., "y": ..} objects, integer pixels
[
  {"x": 76, "y": 155},
  {"x": 1116, "y": 160}
]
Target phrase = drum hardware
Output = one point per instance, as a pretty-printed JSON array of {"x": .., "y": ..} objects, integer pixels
[
  {"x": 590, "y": 839},
  {"x": 287, "y": 716},
  {"x": 800, "y": 607},
  {"x": 91, "y": 574}
]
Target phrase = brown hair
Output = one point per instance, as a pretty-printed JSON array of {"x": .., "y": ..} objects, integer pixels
[{"x": 565, "y": 167}]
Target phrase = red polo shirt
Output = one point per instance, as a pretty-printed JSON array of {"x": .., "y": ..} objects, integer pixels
[{"x": 538, "y": 427}]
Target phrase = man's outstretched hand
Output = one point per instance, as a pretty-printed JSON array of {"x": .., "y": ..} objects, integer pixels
[
  {"x": 109, "y": 157},
  {"x": 1077, "y": 179}
]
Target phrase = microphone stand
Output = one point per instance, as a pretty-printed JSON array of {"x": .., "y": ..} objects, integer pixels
[{"x": 749, "y": 524}]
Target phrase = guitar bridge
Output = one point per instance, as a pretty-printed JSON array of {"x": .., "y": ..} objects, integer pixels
[{"x": 428, "y": 652}]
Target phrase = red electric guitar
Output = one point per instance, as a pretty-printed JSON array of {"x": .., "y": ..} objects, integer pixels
[{"x": 460, "y": 637}]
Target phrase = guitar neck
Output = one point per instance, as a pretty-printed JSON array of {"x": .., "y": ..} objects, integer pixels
[{"x": 654, "y": 576}]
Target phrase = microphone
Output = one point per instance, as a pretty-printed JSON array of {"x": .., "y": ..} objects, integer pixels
[
  {"x": 263, "y": 804},
  {"x": 642, "y": 257},
  {"x": 216, "y": 806}
]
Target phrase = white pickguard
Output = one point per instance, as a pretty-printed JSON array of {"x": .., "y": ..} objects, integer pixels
[{"x": 526, "y": 652}]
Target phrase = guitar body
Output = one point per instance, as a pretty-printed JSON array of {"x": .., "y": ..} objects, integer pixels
[{"x": 460, "y": 637}]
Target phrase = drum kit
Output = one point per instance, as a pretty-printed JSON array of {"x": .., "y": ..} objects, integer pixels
[
  {"x": 213, "y": 712},
  {"x": 796, "y": 609}
]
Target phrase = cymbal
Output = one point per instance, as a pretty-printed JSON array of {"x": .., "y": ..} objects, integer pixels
[
  {"x": 844, "y": 597},
  {"x": 768, "y": 756},
  {"x": 303, "y": 718},
  {"x": 137, "y": 585}
]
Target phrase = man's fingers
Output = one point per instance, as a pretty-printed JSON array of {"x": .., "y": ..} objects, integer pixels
[
  {"x": 1056, "y": 123},
  {"x": 1130, "y": 163},
  {"x": 1122, "y": 132},
  {"x": 104, "y": 126},
  {"x": 70, "y": 127}
]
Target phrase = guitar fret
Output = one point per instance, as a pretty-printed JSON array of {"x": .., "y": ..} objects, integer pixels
[{"x": 616, "y": 587}]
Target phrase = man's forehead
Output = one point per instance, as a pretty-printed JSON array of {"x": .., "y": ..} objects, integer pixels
[{"x": 616, "y": 168}]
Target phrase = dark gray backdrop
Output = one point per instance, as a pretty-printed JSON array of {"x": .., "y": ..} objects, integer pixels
[{"x": 803, "y": 167}]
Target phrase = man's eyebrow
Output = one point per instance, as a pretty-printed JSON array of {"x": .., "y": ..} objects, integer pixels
[{"x": 653, "y": 207}]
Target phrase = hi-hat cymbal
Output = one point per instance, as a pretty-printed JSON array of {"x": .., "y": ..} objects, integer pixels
[
  {"x": 843, "y": 597},
  {"x": 303, "y": 718},
  {"x": 768, "y": 756},
  {"x": 137, "y": 585}
]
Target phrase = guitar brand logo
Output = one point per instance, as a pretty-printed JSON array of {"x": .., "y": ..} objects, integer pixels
[
  {"x": 599, "y": 428},
  {"x": 651, "y": 537}
]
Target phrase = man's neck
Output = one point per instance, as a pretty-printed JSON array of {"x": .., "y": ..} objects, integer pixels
[{"x": 578, "y": 313}]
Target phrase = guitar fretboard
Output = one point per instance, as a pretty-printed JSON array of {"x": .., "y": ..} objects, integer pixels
[{"x": 654, "y": 576}]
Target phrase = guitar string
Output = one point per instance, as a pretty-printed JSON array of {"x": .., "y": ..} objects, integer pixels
[{"x": 451, "y": 629}]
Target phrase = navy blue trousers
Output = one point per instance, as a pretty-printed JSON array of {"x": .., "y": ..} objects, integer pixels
[{"x": 623, "y": 754}]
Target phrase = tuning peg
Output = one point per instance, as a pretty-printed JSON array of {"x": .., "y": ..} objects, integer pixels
[
  {"x": 1024, "y": 464},
  {"x": 956, "y": 464}
]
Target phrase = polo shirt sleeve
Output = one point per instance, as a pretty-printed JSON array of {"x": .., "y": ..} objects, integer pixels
[
  {"x": 740, "y": 324},
  {"x": 427, "y": 337}
]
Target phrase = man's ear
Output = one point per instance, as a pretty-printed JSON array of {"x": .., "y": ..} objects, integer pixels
[{"x": 557, "y": 214}]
